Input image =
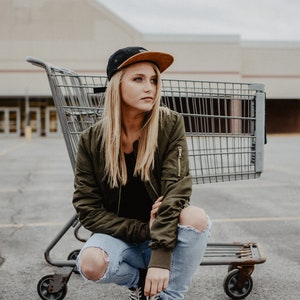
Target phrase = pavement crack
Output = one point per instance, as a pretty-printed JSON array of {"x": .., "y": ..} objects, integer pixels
[{"x": 1, "y": 260}]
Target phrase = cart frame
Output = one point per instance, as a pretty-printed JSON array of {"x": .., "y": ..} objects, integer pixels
[{"x": 225, "y": 131}]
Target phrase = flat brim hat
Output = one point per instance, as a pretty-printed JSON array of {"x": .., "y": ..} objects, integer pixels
[{"x": 130, "y": 55}]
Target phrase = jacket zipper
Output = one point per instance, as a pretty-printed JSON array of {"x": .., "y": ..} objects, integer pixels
[
  {"x": 179, "y": 148},
  {"x": 119, "y": 201},
  {"x": 153, "y": 188}
]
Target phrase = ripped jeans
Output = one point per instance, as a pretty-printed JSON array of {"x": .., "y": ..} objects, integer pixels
[{"x": 126, "y": 258}]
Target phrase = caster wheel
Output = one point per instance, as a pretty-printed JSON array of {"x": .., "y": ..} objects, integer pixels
[
  {"x": 73, "y": 256},
  {"x": 230, "y": 288},
  {"x": 231, "y": 267},
  {"x": 43, "y": 289}
]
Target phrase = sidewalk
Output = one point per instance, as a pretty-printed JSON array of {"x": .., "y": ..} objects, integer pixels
[{"x": 36, "y": 185}]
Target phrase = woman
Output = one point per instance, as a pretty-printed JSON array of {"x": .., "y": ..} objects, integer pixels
[{"x": 132, "y": 186}]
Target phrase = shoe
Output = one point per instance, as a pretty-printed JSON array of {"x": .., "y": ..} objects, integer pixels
[
  {"x": 156, "y": 297},
  {"x": 138, "y": 292}
]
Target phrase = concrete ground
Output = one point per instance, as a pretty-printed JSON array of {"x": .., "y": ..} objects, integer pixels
[{"x": 36, "y": 182}]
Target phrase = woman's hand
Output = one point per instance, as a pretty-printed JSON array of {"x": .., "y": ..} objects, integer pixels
[
  {"x": 157, "y": 280},
  {"x": 153, "y": 212}
]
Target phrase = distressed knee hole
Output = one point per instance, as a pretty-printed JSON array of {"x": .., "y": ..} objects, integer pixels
[
  {"x": 93, "y": 263},
  {"x": 194, "y": 217}
]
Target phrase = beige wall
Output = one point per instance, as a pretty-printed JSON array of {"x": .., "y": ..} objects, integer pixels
[
  {"x": 199, "y": 57},
  {"x": 78, "y": 34},
  {"x": 81, "y": 34},
  {"x": 275, "y": 64}
]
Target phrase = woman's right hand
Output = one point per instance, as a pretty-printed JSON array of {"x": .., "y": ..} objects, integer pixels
[{"x": 153, "y": 212}]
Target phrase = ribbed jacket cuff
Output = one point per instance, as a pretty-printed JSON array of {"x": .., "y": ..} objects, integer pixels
[{"x": 160, "y": 258}]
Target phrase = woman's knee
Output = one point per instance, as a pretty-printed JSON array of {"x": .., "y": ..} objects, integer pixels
[
  {"x": 193, "y": 216},
  {"x": 93, "y": 263}
]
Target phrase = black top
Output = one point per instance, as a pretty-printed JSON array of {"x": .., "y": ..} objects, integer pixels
[{"x": 135, "y": 201}]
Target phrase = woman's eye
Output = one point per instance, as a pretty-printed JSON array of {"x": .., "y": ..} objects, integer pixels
[{"x": 141, "y": 79}]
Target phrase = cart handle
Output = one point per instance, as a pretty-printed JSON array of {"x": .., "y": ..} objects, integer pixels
[
  {"x": 37, "y": 62},
  {"x": 48, "y": 67},
  {"x": 40, "y": 63}
]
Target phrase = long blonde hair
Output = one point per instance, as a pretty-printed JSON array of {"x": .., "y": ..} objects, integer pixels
[{"x": 115, "y": 166}]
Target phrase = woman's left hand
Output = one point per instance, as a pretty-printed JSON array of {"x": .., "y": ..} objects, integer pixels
[
  {"x": 157, "y": 280},
  {"x": 154, "y": 210}
]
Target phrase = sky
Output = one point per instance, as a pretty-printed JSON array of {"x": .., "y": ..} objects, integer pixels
[{"x": 252, "y": 20}]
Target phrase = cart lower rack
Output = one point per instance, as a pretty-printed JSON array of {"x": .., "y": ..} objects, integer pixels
[{"x": 224, "y": 125}]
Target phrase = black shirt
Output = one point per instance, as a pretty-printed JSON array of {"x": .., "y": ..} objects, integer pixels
[{"x": 135, "y": 201}]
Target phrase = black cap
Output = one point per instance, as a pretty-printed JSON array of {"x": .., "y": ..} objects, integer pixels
[{"x": 130, "y": 55}]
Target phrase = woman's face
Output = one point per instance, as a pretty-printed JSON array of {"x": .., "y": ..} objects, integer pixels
[{"x": 138, "y": 87}]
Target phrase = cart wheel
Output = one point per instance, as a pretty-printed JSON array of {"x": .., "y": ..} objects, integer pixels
[
  {"x": 230, "y": 288},
  {"x": 43, "y": 289},
  {"x": 73, "y": 256},
  {"x": 231, "y": 267}
]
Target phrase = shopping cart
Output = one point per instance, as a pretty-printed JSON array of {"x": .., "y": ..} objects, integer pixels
[{"x": 224, "y": 125}]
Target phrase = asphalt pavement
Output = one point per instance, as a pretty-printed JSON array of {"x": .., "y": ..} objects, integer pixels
[{"x": 36, "y": 185}]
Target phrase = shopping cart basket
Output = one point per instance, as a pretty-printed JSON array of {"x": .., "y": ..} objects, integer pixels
[{"x": 224, "y": 125}]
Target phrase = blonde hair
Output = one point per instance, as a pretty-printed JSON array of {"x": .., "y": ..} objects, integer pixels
[{"x": 115, "y": 166}]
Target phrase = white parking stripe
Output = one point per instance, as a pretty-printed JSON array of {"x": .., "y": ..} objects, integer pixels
[
  {"x": 261, "y": 219},
  {"x": 11, "y": 149},
  {"x": 228, "y": 220},
  {"x": 21, "y": 225}
]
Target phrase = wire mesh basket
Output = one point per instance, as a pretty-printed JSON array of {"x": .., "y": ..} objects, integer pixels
[
  {"x": 224, "y": 125},
  {"x": 224, "y": 121}
]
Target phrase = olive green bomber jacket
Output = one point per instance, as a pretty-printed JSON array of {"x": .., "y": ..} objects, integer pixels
[{"x": 97, "y": 204}]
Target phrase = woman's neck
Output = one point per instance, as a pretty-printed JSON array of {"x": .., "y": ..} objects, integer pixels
[{"x": 131, "y": 131}]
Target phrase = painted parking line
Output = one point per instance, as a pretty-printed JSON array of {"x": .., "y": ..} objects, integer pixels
[
  {"x": 21, "y": 225},
  {"x": 228, "y": 220},
  {"x": 11, "y": 149},
  {"x": 260, "y": 219}
]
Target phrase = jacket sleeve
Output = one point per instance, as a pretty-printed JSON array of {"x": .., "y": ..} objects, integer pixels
[
  {"x": 176, "y": 188},
  {"x": 88, "y": 197}
]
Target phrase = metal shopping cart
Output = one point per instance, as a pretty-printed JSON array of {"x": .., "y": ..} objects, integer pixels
[{"x": 225, "y": 133}]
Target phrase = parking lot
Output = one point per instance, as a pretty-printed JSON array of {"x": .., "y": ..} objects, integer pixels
[{"x": 36, "y": 184}]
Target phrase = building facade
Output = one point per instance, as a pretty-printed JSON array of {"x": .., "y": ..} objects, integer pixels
[{"x": 81, "y": 34}]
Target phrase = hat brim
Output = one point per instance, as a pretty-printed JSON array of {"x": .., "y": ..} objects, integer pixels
[{"x": 161, "y": 59}]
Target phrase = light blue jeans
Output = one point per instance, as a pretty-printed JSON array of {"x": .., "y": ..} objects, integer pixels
[{"x": 126, "y": 258}]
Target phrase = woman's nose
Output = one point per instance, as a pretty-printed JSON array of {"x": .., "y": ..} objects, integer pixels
[{"x": 148, "y": 86}]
